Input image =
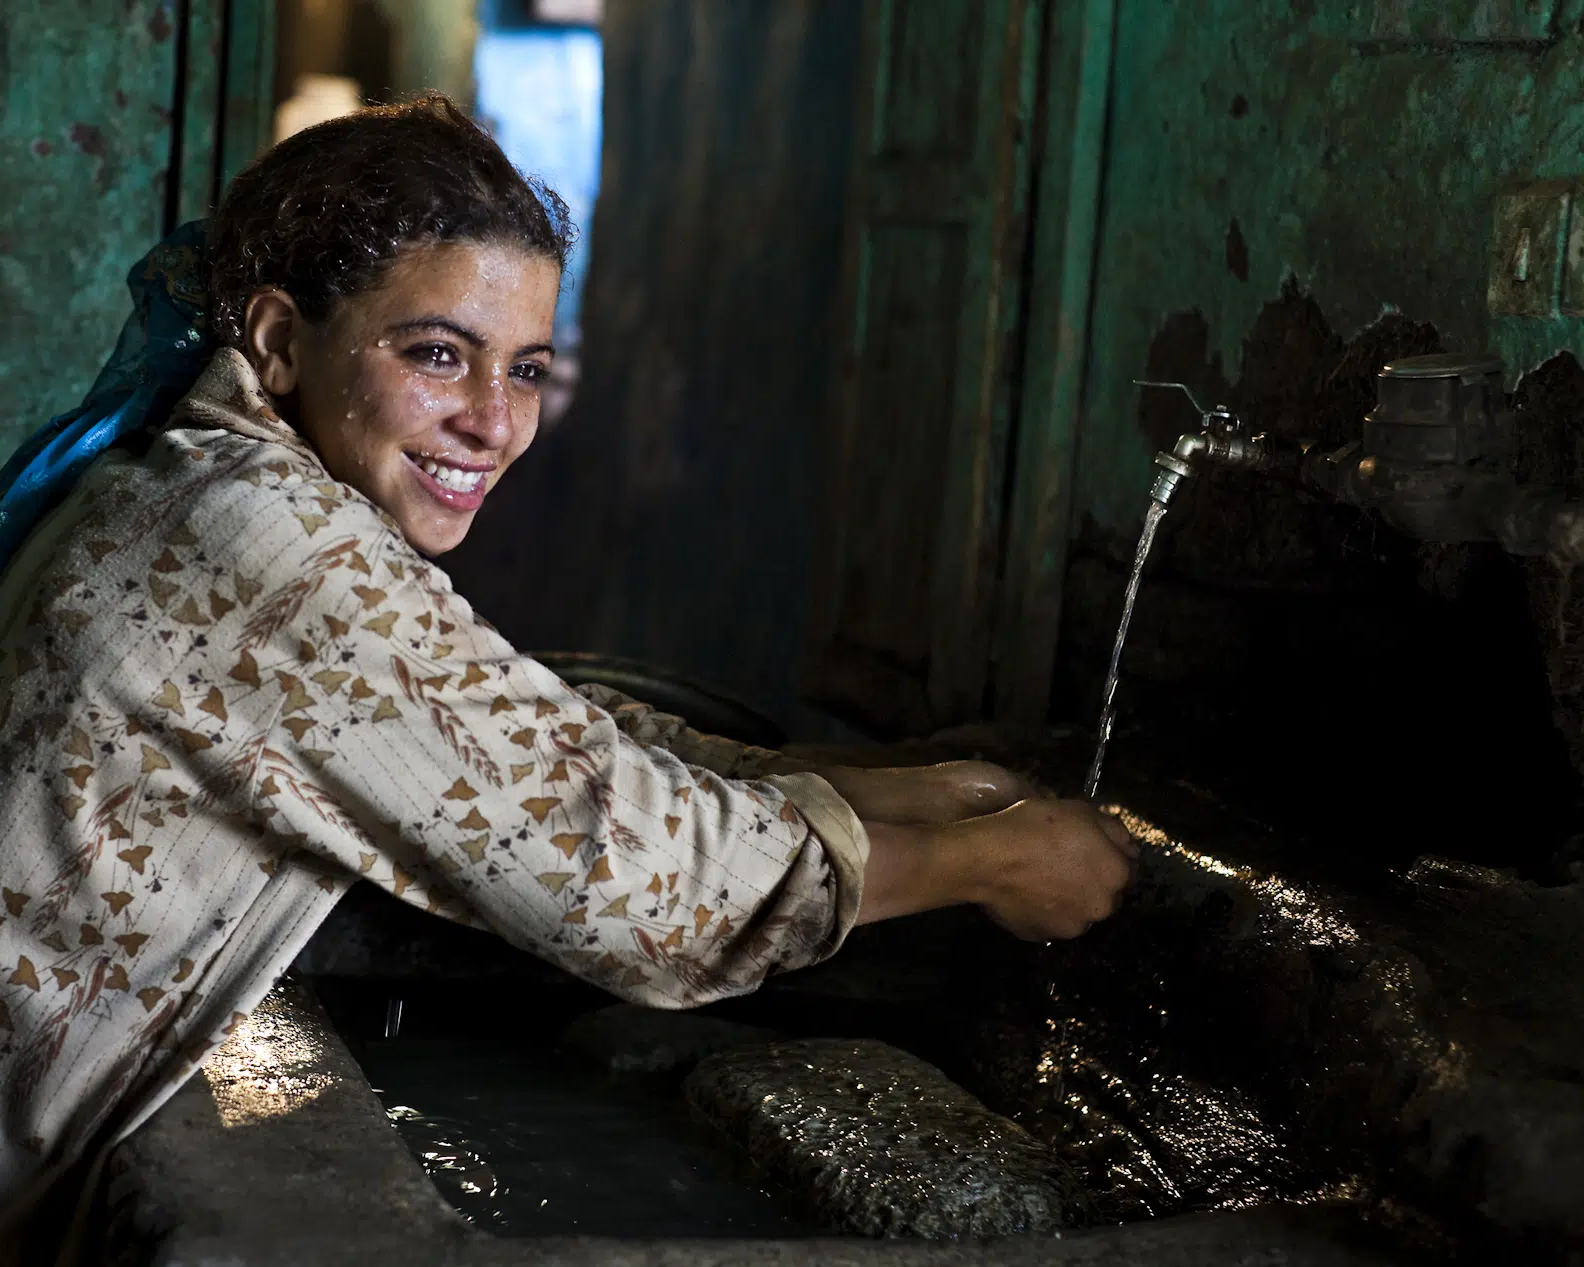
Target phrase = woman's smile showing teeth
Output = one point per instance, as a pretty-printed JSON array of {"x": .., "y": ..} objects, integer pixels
[
  {"x": 453, "y": 477},
  {"x": 456, "y": 487}
]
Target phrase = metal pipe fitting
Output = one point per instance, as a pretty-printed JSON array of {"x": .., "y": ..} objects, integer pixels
[
  {"x": 1173, "y": 471},
  {"x": 1220, "y": 448},
  {"x": 1434, "y": 462}
]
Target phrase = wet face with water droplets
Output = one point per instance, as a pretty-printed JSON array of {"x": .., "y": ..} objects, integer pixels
[{"x": 421, "y": 392}]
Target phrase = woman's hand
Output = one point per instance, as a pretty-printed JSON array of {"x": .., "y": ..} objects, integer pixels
[
  {"x": 1042, "y": 868},
  {"x": 940, "y": 793},
  {"x": 1049, "y": 869}
]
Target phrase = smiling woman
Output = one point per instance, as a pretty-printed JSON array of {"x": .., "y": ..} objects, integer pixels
[
  {"x": 421, "y": 393},
  {"x": 232, "y": 682},
  {"x": 394, "y": 278}
]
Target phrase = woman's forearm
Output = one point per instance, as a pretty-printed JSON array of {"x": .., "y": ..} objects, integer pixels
[
  {"x": 940, "y": 793},
  {"x": 913, "y": 869}
]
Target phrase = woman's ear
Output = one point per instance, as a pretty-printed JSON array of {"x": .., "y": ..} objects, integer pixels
[{"x": 270, "y": 328}]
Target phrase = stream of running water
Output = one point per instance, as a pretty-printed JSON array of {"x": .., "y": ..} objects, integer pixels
[{"x": 1152, "y": 522}]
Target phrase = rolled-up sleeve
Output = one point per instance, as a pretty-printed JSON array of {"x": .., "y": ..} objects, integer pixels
[{"x": 414, "y": 747}]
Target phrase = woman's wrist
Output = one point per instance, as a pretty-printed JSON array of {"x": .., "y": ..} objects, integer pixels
[{"x": 916, "y": 867}]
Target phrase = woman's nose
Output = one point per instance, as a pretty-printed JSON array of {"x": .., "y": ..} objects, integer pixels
[{"x": 488, "y": 416}]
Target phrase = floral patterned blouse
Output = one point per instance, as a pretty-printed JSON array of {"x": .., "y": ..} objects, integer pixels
[{"x": 229, "y": 688}]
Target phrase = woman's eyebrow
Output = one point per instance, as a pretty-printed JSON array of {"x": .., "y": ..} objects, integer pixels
[
  {"x": 442, "y": 323},
  {"x": 533, "y": 349}
]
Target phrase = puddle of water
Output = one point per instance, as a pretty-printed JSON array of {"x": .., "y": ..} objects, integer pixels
[
  {"x": 526, "y": 1141},
  {"x": 1149, "y": 1139}
]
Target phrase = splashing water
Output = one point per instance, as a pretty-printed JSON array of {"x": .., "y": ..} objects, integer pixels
[{"x": 1152, "y": 522}]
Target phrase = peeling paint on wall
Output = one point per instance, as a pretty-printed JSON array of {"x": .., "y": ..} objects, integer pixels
[{"x": 1360, "y": 147}]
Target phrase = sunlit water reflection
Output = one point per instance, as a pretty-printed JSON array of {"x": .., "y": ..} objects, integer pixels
[{"x": 1141, "y": 1062}]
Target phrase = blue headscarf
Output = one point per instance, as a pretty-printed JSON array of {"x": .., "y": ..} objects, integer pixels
[{"x": 164, "y": 347}]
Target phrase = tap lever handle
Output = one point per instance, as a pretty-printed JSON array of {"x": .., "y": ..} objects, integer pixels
[{"x": 1218, "y": 418}]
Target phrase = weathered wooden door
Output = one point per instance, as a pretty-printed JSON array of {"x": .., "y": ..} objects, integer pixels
[
  {"x": 901, "y": 630},
  {"x": 118, "y": 120}
]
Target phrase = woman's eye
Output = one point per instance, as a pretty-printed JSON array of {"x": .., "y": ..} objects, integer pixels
[
  {"x": 530, "y": 372},
  {"x": 438, "y": 356}
]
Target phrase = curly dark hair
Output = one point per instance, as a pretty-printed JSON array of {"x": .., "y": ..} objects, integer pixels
[{"x": 323, "y": 213}]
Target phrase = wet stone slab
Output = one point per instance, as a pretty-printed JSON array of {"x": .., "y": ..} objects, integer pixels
[{"x": 879, "y": 1143}]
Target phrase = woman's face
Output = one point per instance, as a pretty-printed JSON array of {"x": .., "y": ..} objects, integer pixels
[{"x": 421, "y": 392}]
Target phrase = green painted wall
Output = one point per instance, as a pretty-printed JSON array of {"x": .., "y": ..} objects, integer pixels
[
  {"x": 86, "y": 98},
  {"x": 1358, "y": 145},
  {"x": 118, "y": 118}
]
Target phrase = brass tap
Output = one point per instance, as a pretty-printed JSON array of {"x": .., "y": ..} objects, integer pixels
[{"x": 1219, "y": 439}]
